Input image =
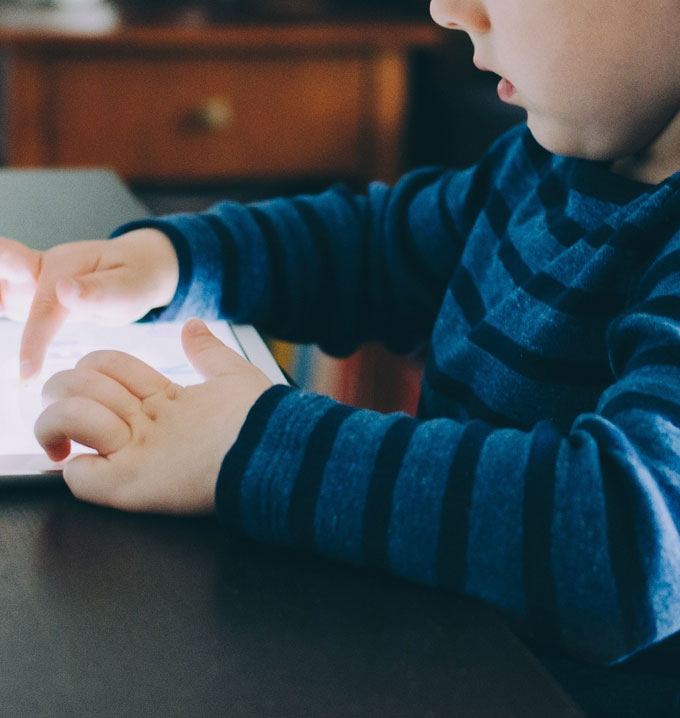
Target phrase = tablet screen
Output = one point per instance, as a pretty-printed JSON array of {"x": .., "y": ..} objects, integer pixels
[{"x": 158, "y": 344}]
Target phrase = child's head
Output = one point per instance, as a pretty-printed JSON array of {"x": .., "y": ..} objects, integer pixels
[{"x": 599, "y": 78}]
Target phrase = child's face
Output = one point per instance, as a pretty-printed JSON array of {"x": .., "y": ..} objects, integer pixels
[{"x": 599, "y": 78}]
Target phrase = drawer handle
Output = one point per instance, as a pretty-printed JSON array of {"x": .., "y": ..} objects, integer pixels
[{"x": 216, "y": 115}]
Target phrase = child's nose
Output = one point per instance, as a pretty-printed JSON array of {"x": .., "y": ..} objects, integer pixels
[{"x": 467, "y": 15}]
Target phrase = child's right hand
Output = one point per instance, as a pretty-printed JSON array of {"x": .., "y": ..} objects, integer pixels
[{"x": 111, "y": 282}]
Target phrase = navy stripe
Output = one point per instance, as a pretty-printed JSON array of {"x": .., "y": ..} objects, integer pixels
[
  {"x": 667, "y": 306},
  {"x": 539, "y": 157},
  {"x": 464, "y": 292},
  {"x": 280, "y": 307},
  {"x": 533, "y": 365},
  {"x": 513, "y": 263},
  {"x": 367, "y": 306},
  {"x": 306, "y": 490},
  {"x": 629, "y": 236},
  {"x": 568, "y": 300},
  {"x": 410, "y": 263},
  {"x": 573, "y": 301},
  {"x": 538, "y": 510},
  {"x": 665, "y": 267},
  {"x": 378, "y": 509},
  {"x": 230, "y": 265},
  {"x": 600, "y": 236},
  {"x": 497, "y": 213},
  {"x": 445, "y": 213},
  {"x": 363, "y": 318},
  {"x": 476, "y": 196},
  {"x": 659, "y": 356},
  {"x": 235, "y": 463},
  {"x": 411, "y": 258},
  {"x": 455, "y": 516},
  {"x": 549, "y": 291},
  {"x": 566, "y": 230},
  {"x": 553, "y": 195},
  {"x": 639, "y": 401},
  {"x": 326, "y": 278}
]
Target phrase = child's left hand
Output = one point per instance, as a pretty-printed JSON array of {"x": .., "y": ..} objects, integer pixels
[{"x": 160, "y": 446}]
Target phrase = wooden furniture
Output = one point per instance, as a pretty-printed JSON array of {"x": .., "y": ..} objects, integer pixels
[
  {"x": 109, "y": 614},
  {"x": 186, "y": 98}
]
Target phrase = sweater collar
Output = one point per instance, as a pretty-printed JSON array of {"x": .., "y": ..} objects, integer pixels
[{"x": 595, "y": 179}]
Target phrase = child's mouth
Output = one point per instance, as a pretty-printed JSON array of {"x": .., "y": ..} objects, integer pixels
[{"x": 506, "y": 90}]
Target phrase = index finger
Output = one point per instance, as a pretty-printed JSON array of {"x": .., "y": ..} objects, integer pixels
[{"x": 45, "y": 318}]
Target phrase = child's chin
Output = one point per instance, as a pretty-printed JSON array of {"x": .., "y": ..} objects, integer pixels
[{"x": 562, "y": 141}]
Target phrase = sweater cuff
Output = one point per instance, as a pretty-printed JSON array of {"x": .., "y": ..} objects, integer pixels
[
  {"x": 196, "y": 293},
  {"x": 235, "y": 463},
  {"x": 172, "y": 311}
]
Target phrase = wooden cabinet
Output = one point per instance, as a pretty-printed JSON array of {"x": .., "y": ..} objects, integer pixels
[
  {"x": 205, "y": 118},
  {"x": 183, "y": 102}
]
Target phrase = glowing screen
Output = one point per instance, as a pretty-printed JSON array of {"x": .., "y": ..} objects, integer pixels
[{"x": 158, "y": 344}]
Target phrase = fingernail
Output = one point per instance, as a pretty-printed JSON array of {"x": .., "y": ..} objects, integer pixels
[
  {"x": 195, "y": 326},
  {"x": 26, "y": 369}
]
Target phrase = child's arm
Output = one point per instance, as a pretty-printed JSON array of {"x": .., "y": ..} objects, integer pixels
[
  {"x": 111, "y": 282},
  {"x": 336, "y": 269},
  {"x": 572, "y": 533}
]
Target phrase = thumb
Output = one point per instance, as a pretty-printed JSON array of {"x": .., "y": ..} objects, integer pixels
[{"x": 207, "y": 354}]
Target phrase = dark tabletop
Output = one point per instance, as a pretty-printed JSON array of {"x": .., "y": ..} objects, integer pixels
[{"x": 110, "y": 614}]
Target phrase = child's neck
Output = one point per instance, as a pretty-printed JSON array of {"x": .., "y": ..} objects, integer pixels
[{"x": 660, "y": 159}]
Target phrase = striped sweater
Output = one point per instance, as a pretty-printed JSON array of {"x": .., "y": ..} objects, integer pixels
[{"x": 542, "y": 473}]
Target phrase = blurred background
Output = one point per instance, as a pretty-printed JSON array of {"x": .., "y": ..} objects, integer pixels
[{"x": 191, "y": 102}]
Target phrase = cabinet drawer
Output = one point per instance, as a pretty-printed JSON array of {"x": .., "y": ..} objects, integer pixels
[{"x": 155, "y": 118}]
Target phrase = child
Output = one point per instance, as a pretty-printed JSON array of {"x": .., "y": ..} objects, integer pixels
[{"x": 542, "y": 474}]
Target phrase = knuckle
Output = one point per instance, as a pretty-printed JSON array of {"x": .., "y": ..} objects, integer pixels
[
  {"x": 73, "y": 408},
  {"x": 91, "y": 289},
  {"x": 154, "y": 404},
  {"x": 56, "y": 386},
  {"x": 99, "y": 359},
  {"x": 57, "y": 416},
  {"x": 172, "y": 391},
  {"x": 43, "y": 304}
]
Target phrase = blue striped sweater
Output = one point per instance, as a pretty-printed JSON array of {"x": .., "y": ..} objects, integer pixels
[{"x": 542, "y": 473}]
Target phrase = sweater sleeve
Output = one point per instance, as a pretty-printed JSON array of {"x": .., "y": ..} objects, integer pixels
[
  {"x": 337, "y": 269},
  {"x": 572, "y": 533}
]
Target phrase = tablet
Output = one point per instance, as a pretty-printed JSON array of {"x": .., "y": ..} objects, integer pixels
[
  {"x": 42, "y": 207},
  {"x": 158, "y": 344}
]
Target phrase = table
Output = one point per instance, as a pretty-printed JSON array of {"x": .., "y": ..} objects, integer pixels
[{"x": 110, "y": 614}]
